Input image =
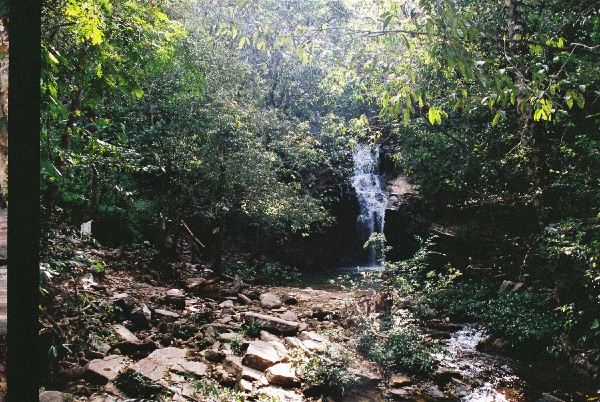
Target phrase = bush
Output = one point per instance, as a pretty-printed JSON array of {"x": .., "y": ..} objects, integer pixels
[
  {"x": 327, "y": 374},
  {"x": 523, "y": 319},
  {"x": 264, "y": 274},
  {"x": 395, "y": 348}
]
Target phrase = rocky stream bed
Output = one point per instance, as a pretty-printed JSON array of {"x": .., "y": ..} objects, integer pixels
[{"x": 214, "y": 340}]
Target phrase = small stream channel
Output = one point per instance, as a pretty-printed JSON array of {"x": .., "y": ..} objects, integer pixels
[{"x": 484, "y": 377}]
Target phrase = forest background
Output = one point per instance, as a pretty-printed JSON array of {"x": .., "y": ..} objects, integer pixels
[{"x": 234, "y": 121}]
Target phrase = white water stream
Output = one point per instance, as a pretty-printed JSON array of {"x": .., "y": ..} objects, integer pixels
[
  {"x": 464, "y": 358},
  {"x": 370, "y": 191}
]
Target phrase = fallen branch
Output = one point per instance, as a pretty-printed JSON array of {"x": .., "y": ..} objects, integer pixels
[{"x": 192, "y": 234}]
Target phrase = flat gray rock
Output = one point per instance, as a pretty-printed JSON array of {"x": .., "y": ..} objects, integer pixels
[
  {"x": 270, "y": 301},
  {"x": 125, "y": 334},
  {"x": 282, "y": 374},
  {"x": 101, "y": 371},
  {"x": 260, "y": 355},
  {"x": 272, "y": 324}
]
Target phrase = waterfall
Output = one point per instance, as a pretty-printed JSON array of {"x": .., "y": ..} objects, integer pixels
[{"x": 370, "y": 192}]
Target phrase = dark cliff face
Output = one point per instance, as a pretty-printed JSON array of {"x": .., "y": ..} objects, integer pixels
[
  {"x": 342, "y": 245},
  {"x": 337, "y": 246}
]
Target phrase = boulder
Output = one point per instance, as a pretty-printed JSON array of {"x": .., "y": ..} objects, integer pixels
[
  {"x": 101, "y": 371},
  {"x": 267, "y": 337},
  {"x": 260, "y": 355},
  {"x": 141, "y": 316},
  {"x": 367, "y": 378},
  {"x": 312, "y": 336},
  {"x": 250, "y": 374},
  {"x": 270, "y": 301},
  {"x": 399, "y": 380},
  {"x": 280, "y": 394},
  {"x": 289, "y": 299},
  {"x": 233, "y": 365},
  {"x": 292, "y": 342},
  {"x": 230, "y": 337},
  {"x": 198, "y": 369},
  {"x": 176, "y": 298},
  {"x": 125, "y": 334},
  {"x": 272, "y": 324},
  {"x": 160, "y": 313},
  {"x": 244, "y": 386},
  {"x": 53, "y": 396},
  {"x": 122, "y": 302},
  {"x": 282, "y": 374},
  {"x": 289, "y": 316},
  {"x": 243, "y": 299}
]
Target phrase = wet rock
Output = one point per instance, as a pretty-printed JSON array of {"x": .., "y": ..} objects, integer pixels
[
  {"x": 491, "y": 345},
  {"x": 443, "y": 374},
  {"x": 270, "y": 301},
  {"x": 281, "y": 374},
  {"x": 366, "y": 378},
  {"x": 101, "y": 371},
  {"x": 549, "y": 398},
  {"x": 439, "y": 335},
  {"x": 272, "y": 324},
  {"x": 176, "y": 298},
  {"x": 401, "y": 394},
  {"x": 260, "y": 355},
  {"x": 141, "y": 316},
  {"x": 434, "y": 392},
  {"x": 399, "y": 380}
]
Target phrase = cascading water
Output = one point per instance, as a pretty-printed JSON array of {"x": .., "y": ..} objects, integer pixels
[{"x": 370, "y": 192}]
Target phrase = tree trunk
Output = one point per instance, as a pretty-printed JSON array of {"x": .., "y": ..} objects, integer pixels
[{"x": 3, "y": 111}]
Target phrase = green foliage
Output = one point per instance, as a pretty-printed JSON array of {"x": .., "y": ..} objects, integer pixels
[
  {"x": 252, "y": 329},
  {"x": 264, "y": 273},
  {"x": 328, "y": 372},
  {"x": 394, "y": 346},
  {"x": 522, "y": 319}
]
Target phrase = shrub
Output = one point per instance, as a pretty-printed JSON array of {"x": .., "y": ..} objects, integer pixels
[
  {"x": 265, "y": 273},
  {"x": 523, "y": 319},
  {"x": 394, "y": 345},
  {"x": 328, "y": 373}
]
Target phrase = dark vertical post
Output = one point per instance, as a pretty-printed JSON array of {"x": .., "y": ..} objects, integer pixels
[{"x": 23, "y": 199}]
